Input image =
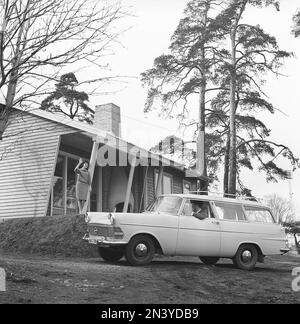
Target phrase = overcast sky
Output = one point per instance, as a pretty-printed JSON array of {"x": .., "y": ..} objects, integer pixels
[{"x": 149, "y": 37}]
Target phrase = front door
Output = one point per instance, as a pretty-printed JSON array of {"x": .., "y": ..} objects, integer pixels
[{"x": 199, "y": 230}]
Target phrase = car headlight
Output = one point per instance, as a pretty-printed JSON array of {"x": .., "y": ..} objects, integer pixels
[{"x": 112, "y": 218}]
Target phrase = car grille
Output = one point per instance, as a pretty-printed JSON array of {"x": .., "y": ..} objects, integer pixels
[
  {"x": 99, "y": 230},
  {"x": 106, "y": 231}
]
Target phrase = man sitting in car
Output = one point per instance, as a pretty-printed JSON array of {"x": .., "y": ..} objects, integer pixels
[{"x": 200, "y": 209}]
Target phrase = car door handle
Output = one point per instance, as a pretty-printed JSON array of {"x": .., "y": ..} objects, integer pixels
[{"x": 215, "y": 222}]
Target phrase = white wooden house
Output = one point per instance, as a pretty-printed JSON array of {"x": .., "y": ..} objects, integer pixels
[{"x": 38, "y": 154}]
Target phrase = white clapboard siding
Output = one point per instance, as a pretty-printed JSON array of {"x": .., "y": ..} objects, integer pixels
[{"x": 28, "y": 154}]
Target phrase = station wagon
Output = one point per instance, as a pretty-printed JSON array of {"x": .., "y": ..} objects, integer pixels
[{"x": 189, "y": 225}]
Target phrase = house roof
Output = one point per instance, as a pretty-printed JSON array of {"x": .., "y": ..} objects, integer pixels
[{"x": 100, "y": 136}]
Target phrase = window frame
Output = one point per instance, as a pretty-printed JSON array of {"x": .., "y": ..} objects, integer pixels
[
  {"x": 262, "y": 209},
  {"x": 211, "y": 211},
  {"x": 245, "y": 220},
  {"x": 166, "y": 196}
]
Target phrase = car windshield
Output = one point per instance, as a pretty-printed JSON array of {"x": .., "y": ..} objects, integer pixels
[{"x": 169, "y": 205}]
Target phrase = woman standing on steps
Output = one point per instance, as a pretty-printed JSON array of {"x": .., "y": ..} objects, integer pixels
[{"x": 83, "y": 183}]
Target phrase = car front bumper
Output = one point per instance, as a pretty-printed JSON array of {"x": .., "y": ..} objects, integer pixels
[{"x": 102, "y": 241}]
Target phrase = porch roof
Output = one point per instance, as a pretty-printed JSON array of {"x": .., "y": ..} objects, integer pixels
[{"x": 100, "y": 136}]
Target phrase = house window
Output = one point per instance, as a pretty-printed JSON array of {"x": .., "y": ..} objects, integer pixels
[{"x": 167, "y": 183}]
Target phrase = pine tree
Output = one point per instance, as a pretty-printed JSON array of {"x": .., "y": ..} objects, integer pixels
[
  {"x": 254, "y": 148},
  {"x": 68, "y": 101},
  {"x": 187, "y": 70},
  {"x": 234, "y": 134},
  {"x": 177, "y": 149},
  {"x": 252, "y": 54}
]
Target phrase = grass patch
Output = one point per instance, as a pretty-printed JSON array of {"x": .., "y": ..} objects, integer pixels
[{"x": 57, "y": 236}]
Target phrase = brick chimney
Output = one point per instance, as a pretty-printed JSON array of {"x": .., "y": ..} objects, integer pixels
[{"x": 108, "y": 118}]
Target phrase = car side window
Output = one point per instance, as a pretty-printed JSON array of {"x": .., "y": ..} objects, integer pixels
[
  {"x": 230, "y": 212},
  {"x": 198, "y": 209},
  {"x": 258, "y": 215}
]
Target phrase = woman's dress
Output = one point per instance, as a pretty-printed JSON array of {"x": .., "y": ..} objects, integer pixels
[{"x": 82, "y": 184}]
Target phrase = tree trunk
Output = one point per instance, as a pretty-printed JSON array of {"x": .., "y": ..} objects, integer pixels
[
  {"x": 232, "y": 181},
  {"x": 201, "y": 147},
  {"x": 232, "y": 151},
  {"x": 232, "y": 126},
  {"x": 201, "y": 156},
  {"x": 226, "y": 167}
]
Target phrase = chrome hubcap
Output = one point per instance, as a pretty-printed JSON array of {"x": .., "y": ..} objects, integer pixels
[
  {"x": 141, "y": 250},
  {"x": 247, "y": 256}
]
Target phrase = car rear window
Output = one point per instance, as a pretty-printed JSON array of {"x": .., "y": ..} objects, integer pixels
[
  {"x": 260, "y": 215},
  {"x": 230, "y": 212}
]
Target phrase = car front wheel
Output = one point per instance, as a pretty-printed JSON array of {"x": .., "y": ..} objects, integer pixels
[
  {"x": 209, "y": 260},
  {"x": 246, "y": 257},
  {"x": 111, "y": 254},
  {"x": 140, "y": 250}
]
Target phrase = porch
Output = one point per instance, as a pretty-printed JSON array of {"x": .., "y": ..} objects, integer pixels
[{"x": 110, "y": 185}]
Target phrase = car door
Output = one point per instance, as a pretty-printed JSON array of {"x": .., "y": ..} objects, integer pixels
[{"x": 198, "y": 237}]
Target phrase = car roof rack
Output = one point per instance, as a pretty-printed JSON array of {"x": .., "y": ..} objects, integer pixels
[{"x": 226, "y": 195}]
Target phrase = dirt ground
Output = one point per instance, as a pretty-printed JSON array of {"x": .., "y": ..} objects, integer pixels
[{"x": 167, "y": 280}]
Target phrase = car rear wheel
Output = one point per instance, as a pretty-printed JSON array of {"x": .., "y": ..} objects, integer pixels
[
  {"x": 140, "y": 250},
  {"x": 246, "y": 257},
  {"x": 111, "y": 254},
  {"x": 209, "y": 260}
]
